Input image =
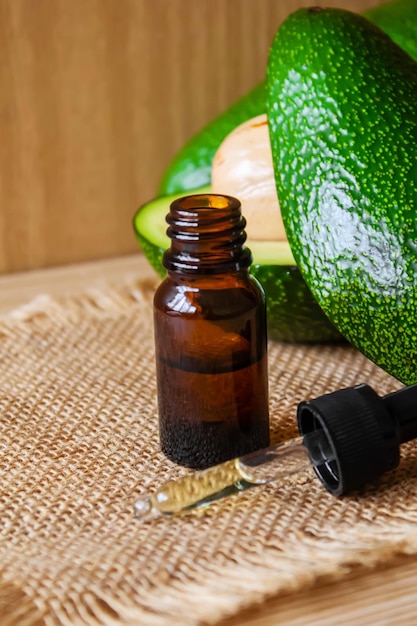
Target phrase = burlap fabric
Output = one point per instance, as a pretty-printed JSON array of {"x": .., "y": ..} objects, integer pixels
[{"x": 79, "y": 445}]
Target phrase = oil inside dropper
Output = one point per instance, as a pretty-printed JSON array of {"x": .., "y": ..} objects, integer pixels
[{"x": 200, "y": 489}]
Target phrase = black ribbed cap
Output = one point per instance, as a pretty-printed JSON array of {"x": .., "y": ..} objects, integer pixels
[{"x": 361, "y": 432}]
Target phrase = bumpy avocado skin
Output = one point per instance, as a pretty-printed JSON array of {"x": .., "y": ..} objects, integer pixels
[
  {"x": 342, "y": 109},
  {"x": 292, "y": 313}
]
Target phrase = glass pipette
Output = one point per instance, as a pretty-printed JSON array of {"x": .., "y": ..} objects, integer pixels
[
  {"x": 348, "y": 437},
  {"x": 258, "y": 468}
]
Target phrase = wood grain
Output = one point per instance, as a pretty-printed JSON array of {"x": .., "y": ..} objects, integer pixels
[
  {"x": 384, "y": 596},
  {"x": 95, "y": 98}
]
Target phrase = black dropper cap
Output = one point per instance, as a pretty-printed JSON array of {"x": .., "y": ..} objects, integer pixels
[{"x": 363, "y": 432}]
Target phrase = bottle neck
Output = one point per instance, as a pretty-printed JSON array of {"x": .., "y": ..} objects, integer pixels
[{"x": 207, "y": 233}]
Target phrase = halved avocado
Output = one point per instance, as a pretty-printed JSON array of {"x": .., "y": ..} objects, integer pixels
[{"x": 293, "y": 314}]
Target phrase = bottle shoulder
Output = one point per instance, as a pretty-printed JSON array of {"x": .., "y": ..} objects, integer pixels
[{"x": 220, "y": 295}]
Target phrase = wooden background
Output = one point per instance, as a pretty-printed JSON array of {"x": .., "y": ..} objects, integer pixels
[{"x": 96, "y": 96}]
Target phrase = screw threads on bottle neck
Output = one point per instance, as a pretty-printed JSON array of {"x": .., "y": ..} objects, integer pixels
[{"x": 207, "y": 233}]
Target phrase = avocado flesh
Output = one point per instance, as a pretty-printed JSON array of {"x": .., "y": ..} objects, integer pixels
[
  {"x": 191, "y": 167},
  {"x": 293, "y": 314},
  {"x": 342, "y": 111}
]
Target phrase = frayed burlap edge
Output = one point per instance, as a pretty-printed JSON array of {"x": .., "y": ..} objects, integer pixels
[
  {"x": 226, "y": 590},
  {"x": 205, "y": 593}
]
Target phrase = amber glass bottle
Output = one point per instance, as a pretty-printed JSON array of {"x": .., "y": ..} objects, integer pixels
[{"x": 210, "y": 337}]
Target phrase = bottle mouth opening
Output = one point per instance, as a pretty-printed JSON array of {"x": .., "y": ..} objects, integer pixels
[
  {"x": 210, "y": 212},
  {"x": 199, "y": 202}
]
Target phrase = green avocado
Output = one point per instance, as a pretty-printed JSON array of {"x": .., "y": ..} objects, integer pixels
[
  {"x": 342, "y": 111},
  {"x": 191, "y": 166},
  {"x": 293, "y": 314}
]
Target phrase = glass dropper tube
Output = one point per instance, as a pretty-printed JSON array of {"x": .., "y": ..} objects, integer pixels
[
  {"x": 200, "y": 489},
  {"x": 349, "y": 437}
]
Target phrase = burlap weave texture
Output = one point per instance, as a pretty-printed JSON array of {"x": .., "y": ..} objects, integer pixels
[{"x": 79, "y": 444}]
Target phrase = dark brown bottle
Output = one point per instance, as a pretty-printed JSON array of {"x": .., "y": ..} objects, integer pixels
[{"x": 210, "y": 337}]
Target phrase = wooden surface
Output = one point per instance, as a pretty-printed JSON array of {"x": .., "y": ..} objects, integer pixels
[
  {"x": 383, "y": 596},
  {"x": 21, "y": 288},
  {"x": 97, "y": 95}
]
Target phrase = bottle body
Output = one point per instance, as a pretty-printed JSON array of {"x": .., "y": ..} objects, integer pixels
[{"x": 211, "y": 358}]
